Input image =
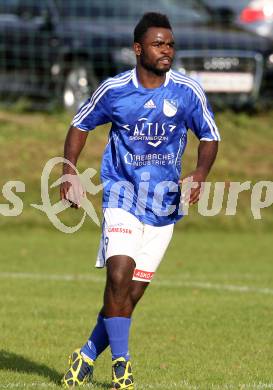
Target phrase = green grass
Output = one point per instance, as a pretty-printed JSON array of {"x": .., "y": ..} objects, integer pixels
[{"x": 205, "y": 323}]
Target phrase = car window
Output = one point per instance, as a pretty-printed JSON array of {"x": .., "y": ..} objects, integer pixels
[
  {"x": 188, "y": 11},
  {"x": 8, "y": 7},
  {"x": 23, "y": 8},
  {"x": 234, "y": 5}
]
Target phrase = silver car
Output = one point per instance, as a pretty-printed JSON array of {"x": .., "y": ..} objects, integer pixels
[{"x": 254, "y": 15}]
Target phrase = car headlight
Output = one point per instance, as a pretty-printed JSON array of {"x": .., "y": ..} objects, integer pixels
[{"x": 125, "y": 55}]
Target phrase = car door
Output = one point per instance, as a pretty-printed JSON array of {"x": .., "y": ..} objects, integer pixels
[
  {"x": 8, "y": 22},
  {"x": 26, "y": 56}
]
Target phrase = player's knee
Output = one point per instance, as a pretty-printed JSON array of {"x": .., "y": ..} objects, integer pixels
[
  {"x": 117, "y": 278},
  {"x": 119, "y": 272},
  {"x": 118, "y": 282}
]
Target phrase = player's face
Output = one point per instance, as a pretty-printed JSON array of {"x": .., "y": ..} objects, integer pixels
[{"x": 156, "y": 51}]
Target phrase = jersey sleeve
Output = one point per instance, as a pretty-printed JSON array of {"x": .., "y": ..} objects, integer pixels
[
  {"x": 95, "y": 111},
  {"x": 200, "y": 118}
]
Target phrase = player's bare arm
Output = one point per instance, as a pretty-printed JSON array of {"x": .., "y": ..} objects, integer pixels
[
  {"x": 207, "y": 152},
  {"x": 74, "y": 143}
]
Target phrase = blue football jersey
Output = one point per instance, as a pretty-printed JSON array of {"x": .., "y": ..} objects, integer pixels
[{"x": 141, "y": 165}]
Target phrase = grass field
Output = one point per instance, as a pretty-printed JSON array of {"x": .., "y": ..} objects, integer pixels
[{"x": 205, "y": 323}]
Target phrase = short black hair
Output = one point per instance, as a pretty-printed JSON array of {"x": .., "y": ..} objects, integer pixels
[{"x": 150, "y": 19}]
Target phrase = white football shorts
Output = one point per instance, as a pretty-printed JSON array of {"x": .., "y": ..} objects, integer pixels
[{"x": 124, "y": 234}]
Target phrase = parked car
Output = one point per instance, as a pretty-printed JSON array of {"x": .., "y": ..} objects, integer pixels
[
  {"x": 252, "y": 15},
  {"x": 64, "y": 48}
]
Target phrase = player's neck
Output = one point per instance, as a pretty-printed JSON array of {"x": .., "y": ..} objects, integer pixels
[{"x": 149, "y": 79}]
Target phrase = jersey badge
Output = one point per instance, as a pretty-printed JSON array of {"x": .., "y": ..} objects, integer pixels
[{"x": 170, "y": 107}]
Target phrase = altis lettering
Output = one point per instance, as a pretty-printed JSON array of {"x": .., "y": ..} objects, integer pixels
[
  {"x": 149, "y": 131},
  {"x": 138, "y": 160}
]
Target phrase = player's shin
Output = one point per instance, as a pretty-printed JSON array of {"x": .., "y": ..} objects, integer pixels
[
  {"x": 118, "y": 329},
  {"x": 98, "y": 340}
]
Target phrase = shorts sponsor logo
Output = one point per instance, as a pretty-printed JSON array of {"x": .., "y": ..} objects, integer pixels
[
  {"x": 112, "y": 229},
  {"x": 143, "y": 274}
]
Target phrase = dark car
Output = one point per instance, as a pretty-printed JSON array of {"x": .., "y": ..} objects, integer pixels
[{"x": 63, "y": 49}]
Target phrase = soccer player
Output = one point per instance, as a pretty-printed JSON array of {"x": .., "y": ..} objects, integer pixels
[{"x": 151, "y": 109}]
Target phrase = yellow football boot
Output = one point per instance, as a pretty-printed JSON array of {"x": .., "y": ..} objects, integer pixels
[
  {"x": 80, "y": 370},
  {"x": 122, "y": 377}
]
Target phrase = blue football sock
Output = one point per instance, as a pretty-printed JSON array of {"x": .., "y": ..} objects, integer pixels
[
  {"x": 98, "y": 340},
  {"x": 118, "y": 332}
]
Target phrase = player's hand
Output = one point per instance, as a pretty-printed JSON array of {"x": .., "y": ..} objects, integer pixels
[
  {"x": 71, "y": 190},
  {"x": 191, "y": 186}
]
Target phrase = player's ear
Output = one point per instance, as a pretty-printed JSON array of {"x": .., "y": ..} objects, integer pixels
[{"x": 137, "y": 48}]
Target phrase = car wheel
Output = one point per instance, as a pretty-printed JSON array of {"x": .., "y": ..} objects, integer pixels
[{"x": 78, "y": 86}]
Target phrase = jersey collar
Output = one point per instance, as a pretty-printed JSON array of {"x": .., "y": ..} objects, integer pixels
[{"x": 136, "y": 83}]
